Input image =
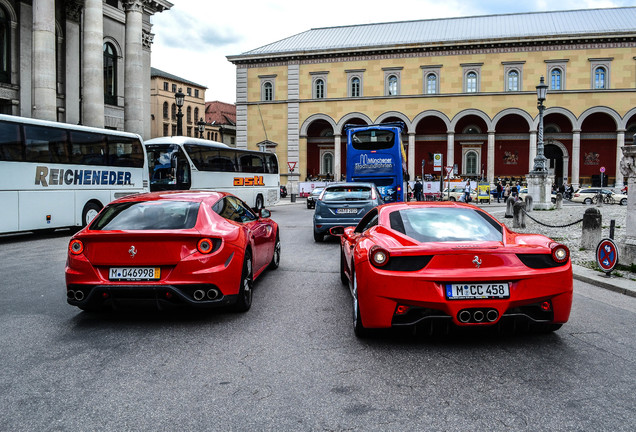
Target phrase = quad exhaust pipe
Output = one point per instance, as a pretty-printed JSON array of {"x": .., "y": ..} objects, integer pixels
[{"x": 466, "y": 316}]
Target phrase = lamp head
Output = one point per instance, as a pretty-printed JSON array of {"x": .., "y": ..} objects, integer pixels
[
  {"x": 179, "y": 97},
  {"x": 542, "y": 90}
]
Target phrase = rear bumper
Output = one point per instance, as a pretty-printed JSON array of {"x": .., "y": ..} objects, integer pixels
[{"x": 323, "y": 225}]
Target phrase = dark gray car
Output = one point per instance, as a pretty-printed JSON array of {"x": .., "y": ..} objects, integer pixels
[{"x": 343, "y": 204}]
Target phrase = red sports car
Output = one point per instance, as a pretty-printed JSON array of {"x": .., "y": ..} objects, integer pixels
[
  {"x": 202, "y": 249},
  {"x": 443, "y": 262}
]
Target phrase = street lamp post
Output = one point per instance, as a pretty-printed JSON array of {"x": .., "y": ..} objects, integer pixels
[
  {"x": 540, "y": 161},
  {"x": 201, "y": 126},
  {"x": 179, "y": 98}
]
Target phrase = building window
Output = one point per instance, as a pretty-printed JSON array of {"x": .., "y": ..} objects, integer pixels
[
  {"x": 189, "y": 133},
  {"x": 189, "y": 115},
  {"x": 196, "y": 114},
  {"x": 431, "y": 83},
  {"x": 513, "y": 80},
  {"x": 174, "y": 88},
  {"x": 189, "y": 91},
  {"x": 268, "y": 91},
  {"x": 173, "y": 113},
  {"x": 319, "y": 89},
  {"x": 471, "y": 82},
  {"x": 5, "y": 46},
  {"x": 110, "y": 74},
  {"x": 355, "y": 80},
  {"x": 327, "y": 163},
  {"x": 165, "y": 129},
  {"x": 165, "y": 110},
  {"x": 600, "y": 78},
  {"x": 471, "y": 163},
  {"x": 166, "y": 86},
  {"x": 555, "y": 79},
  {"x": 196, "y": 93},
  {"x": 355, "y": 87},
  {"x": 174, "y": 130},
  {"x": 392, "y": 83}
]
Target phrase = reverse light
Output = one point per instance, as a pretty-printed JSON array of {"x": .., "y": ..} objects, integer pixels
[
  {"x": 560, "y": 253},
  {"x": 546, "y": 306},
  {"x": 401, "y": 310},
  {"x": 205, "y": 246},
  {"x": 76, "y": 247},
  {"x": 379, "y": 256}
]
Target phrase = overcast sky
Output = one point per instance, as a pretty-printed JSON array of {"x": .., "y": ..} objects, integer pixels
[{"x": 193, "y": 38}]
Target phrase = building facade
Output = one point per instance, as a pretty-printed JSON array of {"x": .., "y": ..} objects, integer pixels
[
  {"x": 221, "y": 119},
  {"x": 464, "y": 87},
  {"x": 78, "y": 61},
  {"x": 164, "y": 108}
]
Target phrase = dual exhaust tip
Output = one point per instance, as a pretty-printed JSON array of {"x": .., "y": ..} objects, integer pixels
[
  {"x": 75, "y": 295},
  {"x": 477, "y": 315},
  {"x": 212, "y": 294}
]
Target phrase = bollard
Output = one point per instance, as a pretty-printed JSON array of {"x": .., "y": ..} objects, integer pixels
[
  {"x": 559, "y": 200},
  {"x": 293, "y": 197},
  {"x": 510, "y": 202},
  {"x": 529, "y": 203},
  {"x": 519, "y": 217},
  {"x": 592, "y": 224}
]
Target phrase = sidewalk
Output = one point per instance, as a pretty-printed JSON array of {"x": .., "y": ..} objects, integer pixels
[{"x": 612, "y": 283}]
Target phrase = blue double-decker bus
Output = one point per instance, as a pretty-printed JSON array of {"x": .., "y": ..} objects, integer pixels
[{"x": 375, "y": 154}]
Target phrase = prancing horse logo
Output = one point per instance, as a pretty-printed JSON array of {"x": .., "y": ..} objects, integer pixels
[
  {"x": 133, "y": 251},
  {"x": 476, "y": 261}
]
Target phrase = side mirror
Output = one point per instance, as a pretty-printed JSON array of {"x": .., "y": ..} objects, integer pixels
[
  {"x": 337, "y": 231},
  {"x": 264, "y": 213}
]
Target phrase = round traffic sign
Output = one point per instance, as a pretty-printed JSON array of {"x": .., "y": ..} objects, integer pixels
[
  {"x": 602, "y": 169},
  {"x": 607, "y": 255}
]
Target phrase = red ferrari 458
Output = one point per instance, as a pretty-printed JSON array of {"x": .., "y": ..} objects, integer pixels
[
  {"x": 201, "y": 249},
  {"x": 442, "y": 262}
]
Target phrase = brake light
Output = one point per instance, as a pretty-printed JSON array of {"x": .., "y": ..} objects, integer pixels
[
  {"x": 577, "y": 195},
  {"x": 205, "y": 246},
  {"x": 76, "y": 247},
  {"x": 560, "y": 253},
  {"x": 379, "y": 257}
]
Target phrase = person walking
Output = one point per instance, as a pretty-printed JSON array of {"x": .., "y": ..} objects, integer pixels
[
  {"x": 418, "y": 189},
  {"x": 499, "y": 191},
  {"x": 467, "y": 192},
  {"x": 507, "y": 192}
]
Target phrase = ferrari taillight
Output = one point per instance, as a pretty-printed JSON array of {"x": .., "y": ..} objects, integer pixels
[
  {"x": 378, "y": 256},
  {"x": 76, "y": 247},
  {"x": 560, "y": 253},
  {"x": 205, "y": 246}
]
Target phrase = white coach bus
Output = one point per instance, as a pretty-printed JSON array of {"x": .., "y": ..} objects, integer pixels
[
  {"x": 182, "y": 163},
  {"x": 55, "y": 175}
]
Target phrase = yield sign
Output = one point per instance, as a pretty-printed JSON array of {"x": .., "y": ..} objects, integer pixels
[
  {"x": 448, "y": 169},
  {"x": 291, "y": 166}
]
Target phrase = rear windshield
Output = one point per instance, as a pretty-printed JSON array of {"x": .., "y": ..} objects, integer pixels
[
  {"x": 372, "y": 139},
  {"x": 147, "y": 215},
  {"x": 446, "y": 225},
  {"x": 347, "y": 193}
]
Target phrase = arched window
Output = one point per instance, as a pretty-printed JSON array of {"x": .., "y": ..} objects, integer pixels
[
  {"x": 327, "y": 163},
  {"x": 319, "y": 89},
  {"x": 268, "y": 91},
  {"x": 355, "y": 87},
  {"x": 196, "y": 114},
  {"x": 393, "y": 85},
  {"x": 600, "y": 81},
  {"x": 431, "y": 83},
  {"x": 471, "y": 82},
  {"x": 555, "y": 79},
  {"x": 471, "y": 163},
  {"x": 189, "y": 115},
  {"x": 110, "y": 74},
  {"x": 173, "y": 113},
  {"x": 513, "y": 80},
  {"x": 165, "y": 110},
  {"x": 5, "y": 46}
]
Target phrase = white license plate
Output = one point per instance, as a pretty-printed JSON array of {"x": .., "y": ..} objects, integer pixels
[
  {"x": 482, "y": 290},
  {"x": 134, "y": 273},
  {"x": 347, "y": 211}
]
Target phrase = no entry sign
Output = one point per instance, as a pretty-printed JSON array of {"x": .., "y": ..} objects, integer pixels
[{"x": 607, "y": 255}]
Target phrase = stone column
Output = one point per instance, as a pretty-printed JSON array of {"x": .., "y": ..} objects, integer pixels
[
  {"x": 147, "y": 38},
  {"x": 411, "y": 156},
  {"x": 44, "y": 46},
  {"x": 93, "y": 64},
  {"x": 620, "y": 142},
  {"x": 576, "y": 157},
  {"x": 532, "y": 151},
  {"x": 450, "y": 149},
  {"x": 337, "y": 156},
  {"x": 25, "y": 61},
  {"x": 72, "y": 93},
  {"x": 133, "y": 69},
  {"x": 490, "y": 167},
  {"x": 627, "y": 248}
]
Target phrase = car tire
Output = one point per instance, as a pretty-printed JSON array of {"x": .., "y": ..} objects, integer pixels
[
  {"x": 343, "y": 276},
  {"x": 358, "y": 329},
  {"x": 587, "y": 201},
  {"x": 259, "y": 202},
  {"x": 275, "y": 262},
  {"x": 452, "y": 199},
  {"x": 244, "y": 298},
  {"x": 623, "y": 201},
  {"x": 553, "y": 200},
  {"x": 90, "y": 211},
  {"x": 318, "y": 238}
]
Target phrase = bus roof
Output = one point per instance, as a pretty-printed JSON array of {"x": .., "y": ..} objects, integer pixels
[
  {"x": 389, "y": 125},
  {"x": 67, "y": 126},
  {"x": 186, "y": 140}
]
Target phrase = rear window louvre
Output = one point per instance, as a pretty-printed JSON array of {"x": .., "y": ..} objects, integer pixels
[{"x": 539, "y": 261}]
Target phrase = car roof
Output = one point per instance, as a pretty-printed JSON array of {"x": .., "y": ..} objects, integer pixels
[
  {"x": 196, "y": 195},
  {"x": 340, "y": 184}
]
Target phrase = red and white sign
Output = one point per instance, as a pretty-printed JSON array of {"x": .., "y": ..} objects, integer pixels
[
  {"x": 602, "y": 169},
  {"x": 291, "y": 166},
  {"x": 606, "y": 255},
  {"x": 449, "y": 169}
]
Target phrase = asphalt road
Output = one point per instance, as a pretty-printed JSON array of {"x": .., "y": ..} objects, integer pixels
[{"x": 292, "y": 362}]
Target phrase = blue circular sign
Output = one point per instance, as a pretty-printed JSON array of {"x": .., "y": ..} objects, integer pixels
[{"x": 607, "y": 255}]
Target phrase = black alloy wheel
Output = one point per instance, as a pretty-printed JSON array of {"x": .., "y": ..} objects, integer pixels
[
  {"x": 275, "y": 262},
  {"x": 358, "y": 329},
  {"x": 343, "y": 276},
  {"x": 244, "y": 300}
]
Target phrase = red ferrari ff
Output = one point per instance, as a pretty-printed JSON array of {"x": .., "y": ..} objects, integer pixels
[
  {"x": 443, "y": 262},
  {"x": 202, "y": 249}
]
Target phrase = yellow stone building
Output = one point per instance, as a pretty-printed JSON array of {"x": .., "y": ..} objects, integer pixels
[{"x": 464, "y": 87}]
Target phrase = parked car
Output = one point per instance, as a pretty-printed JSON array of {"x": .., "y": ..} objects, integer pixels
[
  {"x": 413, "y": 263},
  {"x": 283, "y": 191},
  {"x": 588, "y": 196},
  {"x": 457, "y": 193},
  {"x": 313, "y": 196},
  {"x": 343, "y": 204},
  {"x": 199, "y": 249}
]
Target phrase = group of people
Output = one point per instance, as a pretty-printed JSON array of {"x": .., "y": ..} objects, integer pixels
[
  {"x": 507, "y": 190},
  {"x": 565, "y": 190}
]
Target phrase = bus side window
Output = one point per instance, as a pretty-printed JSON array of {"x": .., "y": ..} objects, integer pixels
[
  {"x": 11, "y": 149},
  {"x": 46, "y": 144},
  {"x": 88, "y": 148}
]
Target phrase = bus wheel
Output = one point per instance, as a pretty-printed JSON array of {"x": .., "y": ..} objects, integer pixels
[
  {"x": 259, "y": 202},
  {"x": 90, "y": 211}
]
